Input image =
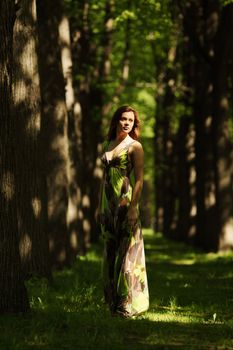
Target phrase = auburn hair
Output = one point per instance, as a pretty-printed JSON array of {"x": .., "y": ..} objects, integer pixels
[{"x": 134, "y": 133}]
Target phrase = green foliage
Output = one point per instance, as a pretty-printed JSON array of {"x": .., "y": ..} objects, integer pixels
[
  {"x": 226, "y": 2},
  {"x": 190, "y": 295}
]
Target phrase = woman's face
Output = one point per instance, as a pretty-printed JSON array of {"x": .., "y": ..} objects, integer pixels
[{"x": 126, "y": 122}]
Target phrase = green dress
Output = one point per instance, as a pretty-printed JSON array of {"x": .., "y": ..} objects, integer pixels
[{"x": 124, "y": 270}]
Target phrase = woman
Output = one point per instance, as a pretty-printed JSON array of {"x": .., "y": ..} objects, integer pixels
[{"x": 125, "y": 279}]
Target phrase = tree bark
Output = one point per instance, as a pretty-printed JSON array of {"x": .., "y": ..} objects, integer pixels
[
  {"x": 54, "y": 132},
  {"x": 221, "y": 137},
  {"x": 186, "y": 226},
  {"x": 159, "y": 165},
  {"x": 208, "y": 29},
  {"x": 165, "y": 147},
  {"x": 201, "y": 31},
  {"x": 13, "y": 295},
  {"x": 74, "y": 221},
  {"x": 31, "y": 203},
  {"x": 186, "y": 171}
]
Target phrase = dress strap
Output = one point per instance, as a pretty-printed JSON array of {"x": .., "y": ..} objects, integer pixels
[
  {"x": 130, "y": 143},
  {"x": 126, "y": 147},
  {"x": 118, "y": 152}
]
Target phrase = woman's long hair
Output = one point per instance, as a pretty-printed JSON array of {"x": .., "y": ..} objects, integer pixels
[{"x": 134, "y": 133}]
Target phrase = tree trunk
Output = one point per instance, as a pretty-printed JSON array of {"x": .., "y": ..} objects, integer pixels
[
  {"x": 221, "y": 137},
  {"x": 165, "y": 160},
  {"x": 31, "y": 205},
  {"x": 74, "y": 219},
  {"x": 92, "y": 172},
  {"x": 201, "y": 31},
  {"x": 186, "y": 226},
  {"x": 13, "y": 295},
  {"x": 159, "y": 166},
  {"x": 54, "y": 132},
  {"x": 80, "y": 50}
]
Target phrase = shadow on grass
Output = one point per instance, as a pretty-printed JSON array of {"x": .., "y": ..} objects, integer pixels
[
  {"x": 190, "y": 297},
  {"x": 188, "y": 277}
]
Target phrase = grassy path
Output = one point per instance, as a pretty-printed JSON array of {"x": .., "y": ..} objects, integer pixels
[{"x": 191, "y": 296}]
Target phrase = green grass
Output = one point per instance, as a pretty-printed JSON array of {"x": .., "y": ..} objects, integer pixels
[{"x": 191, "y": 305}]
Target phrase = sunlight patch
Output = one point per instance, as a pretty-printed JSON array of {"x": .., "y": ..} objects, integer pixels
[
  {"x": 183, "y": 262},
  {"x": 8, "y": 185},
  {"x": 168, "y": 317},
  {"x": 36, "y": 206}
]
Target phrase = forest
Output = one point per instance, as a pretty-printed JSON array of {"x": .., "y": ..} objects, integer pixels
[{"x": 65, "y": 67}]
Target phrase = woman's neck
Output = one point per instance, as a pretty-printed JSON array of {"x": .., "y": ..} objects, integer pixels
[{"x": 121, "y": 136}]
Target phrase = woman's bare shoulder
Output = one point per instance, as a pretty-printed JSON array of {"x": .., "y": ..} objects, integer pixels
[{"x": 136, "y": 148}]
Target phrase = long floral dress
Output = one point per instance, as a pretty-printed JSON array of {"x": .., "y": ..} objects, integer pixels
[{"x": 124, "y": 270}]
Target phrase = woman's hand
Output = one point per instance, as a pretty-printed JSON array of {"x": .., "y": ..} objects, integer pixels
[{"x": 132, "y": 216}]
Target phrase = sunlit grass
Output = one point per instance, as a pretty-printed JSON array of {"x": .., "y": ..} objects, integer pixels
[{"x": 191, "y": 305}]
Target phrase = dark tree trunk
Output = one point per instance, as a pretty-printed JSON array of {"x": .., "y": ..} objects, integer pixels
[
  {"x": 83, "y": 57},
  {"x": 92, "y": 173},
  {"x": 165, "y": 160},
  {"x": 31, "y": 203},
  {"x": 186, "y": 226},
  {"x": 209, "y": 30},
  {"x": 201, "y": 31},
  {"x": 159, "y": 167},
  {"x": 54, "y": 132},
  {"x": 13, "y": 295},
  {"x": 221, "y": 137}
]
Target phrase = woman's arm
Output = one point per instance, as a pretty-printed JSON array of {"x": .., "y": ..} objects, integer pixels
[{"x": 137, "y": 156}]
